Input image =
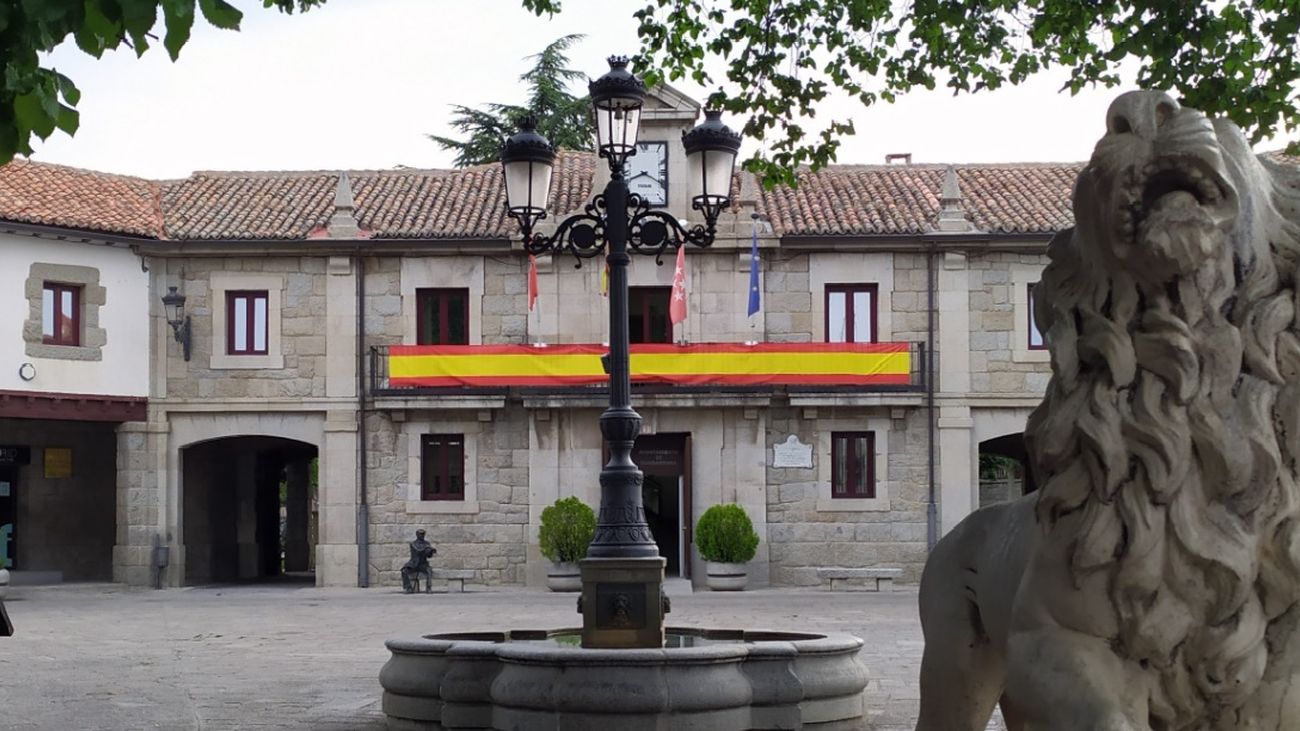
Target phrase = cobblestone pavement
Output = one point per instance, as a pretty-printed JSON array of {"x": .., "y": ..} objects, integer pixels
[{"x": 96, "y": 656}]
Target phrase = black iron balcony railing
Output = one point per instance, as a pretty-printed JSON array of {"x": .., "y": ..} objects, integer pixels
[{"x": 407, "y": 370}]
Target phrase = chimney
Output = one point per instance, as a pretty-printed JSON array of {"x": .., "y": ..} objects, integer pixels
[{"x": 893, "y": 158}]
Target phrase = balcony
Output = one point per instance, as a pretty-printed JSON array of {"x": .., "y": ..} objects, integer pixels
[{"x": 575, "y": 371}]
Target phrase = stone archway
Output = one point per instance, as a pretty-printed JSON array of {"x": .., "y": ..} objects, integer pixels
[{"x": 245, "y": 509}]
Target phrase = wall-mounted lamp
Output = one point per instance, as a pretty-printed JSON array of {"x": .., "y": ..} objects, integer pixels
[{"x": 175, "y": 303}]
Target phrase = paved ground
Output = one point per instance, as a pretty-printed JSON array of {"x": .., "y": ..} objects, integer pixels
[{"x": 284, "y": 656}]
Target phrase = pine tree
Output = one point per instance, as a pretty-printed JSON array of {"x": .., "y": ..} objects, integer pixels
[{"x": 562, "y": 117}]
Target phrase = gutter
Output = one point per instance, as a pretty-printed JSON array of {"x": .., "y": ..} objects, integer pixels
[
  {"x": 363, "y": 501},
  {"x": 931, "y": 508}
]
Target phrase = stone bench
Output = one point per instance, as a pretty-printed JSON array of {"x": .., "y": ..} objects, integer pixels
[
  {"x": 839, "y": 577},
  {"x": 455, "y": 578}
]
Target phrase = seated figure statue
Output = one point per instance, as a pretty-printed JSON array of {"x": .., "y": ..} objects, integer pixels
[
  {"x": 418, "y": 565},
  {"x": 1153, "y": 581}
]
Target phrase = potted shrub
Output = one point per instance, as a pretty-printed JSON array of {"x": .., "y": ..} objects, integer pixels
[
  {"x": 567, "y": 527},
  {"x": 727, "y": 541}
]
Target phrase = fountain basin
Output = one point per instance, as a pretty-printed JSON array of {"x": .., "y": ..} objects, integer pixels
[{"x": 714, "y": 680}]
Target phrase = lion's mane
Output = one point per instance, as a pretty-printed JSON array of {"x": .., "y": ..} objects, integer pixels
[{"x": 1167, "y": 444}]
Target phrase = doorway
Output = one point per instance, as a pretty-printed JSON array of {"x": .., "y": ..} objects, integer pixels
[
  {"x": 665, "y": 459},
  {"x": 248, "y": 510},
  {"x": 8, "y": 514}
]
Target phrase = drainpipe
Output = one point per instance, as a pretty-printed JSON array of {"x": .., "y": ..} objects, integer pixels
[
  {"x": 931, "y": 509},
  {"x": 363, "y": 504}
]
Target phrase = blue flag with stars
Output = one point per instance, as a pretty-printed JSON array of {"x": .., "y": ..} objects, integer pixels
[{"x": 753, "y": 273}]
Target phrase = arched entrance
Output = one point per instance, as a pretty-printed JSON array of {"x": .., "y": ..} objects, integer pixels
[
  {"x": 247, "y": 509},
  {"x": 1004, "y": 472}
]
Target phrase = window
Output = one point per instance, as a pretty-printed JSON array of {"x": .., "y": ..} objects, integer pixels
[
  {"x": 850, "y": 313},
  {"x": 442, "y": 467},
  {"x": 441, "y": 316},
  {"x": 1036, "y": 341},
  {"x": 852, "y": 464},
  {"x": 61, "y": 314},
  {"x": 246, "y": 318},
  {"x": 647, "y": 315}
]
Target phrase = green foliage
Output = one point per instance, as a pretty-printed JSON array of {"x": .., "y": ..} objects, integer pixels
[
  {"x": 567, "y": 528},
  {"x": 998, "y": 467},
  {"x": 35, "y": 100},
  {"x": 724, "y": 534},
  {"x": 562, "y": 118},
  {"x": 1238, "y": 58}
]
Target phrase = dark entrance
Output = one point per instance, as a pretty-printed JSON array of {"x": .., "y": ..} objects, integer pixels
[
  {"x": 666, "y": 493},
  {"x": 248, "y": 509},
  {"x": 1004, "y": 469},
  {"x": 8, "y": 515}
]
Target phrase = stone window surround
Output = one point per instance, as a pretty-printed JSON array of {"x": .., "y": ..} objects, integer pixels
[
  {"x": 435, "y": 272},
  {"x": 870, "y": 267},
  {"x": 414, "y": 430},
  {"x": 879, "y": 426},
  {"x": 1023, "y": 275},
  {"x": 93, "y": 297},
  {"x": 221, "y": 282}
]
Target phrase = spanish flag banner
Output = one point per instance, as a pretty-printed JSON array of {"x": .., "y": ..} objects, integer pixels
[{"x": 730, "y": 364}]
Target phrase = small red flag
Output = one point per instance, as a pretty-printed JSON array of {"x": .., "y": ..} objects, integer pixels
[
  {"x": 532, "y": 281},
  {"x": 677, "y": 307}
]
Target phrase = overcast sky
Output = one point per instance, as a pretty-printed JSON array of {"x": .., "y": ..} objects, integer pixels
[{"x": 359, "y": 83}]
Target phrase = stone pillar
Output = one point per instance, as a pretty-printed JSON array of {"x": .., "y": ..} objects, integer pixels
[
  {"x": 296, "y": 516},
  {"x": 958, "y": 483},
  {"x": 137, "y": 501},
  {"x": 244, "y": 493},
  {"x": 336, "y": 551}
]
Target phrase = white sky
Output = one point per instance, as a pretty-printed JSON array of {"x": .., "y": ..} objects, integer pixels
[{"x": 358, "y": 83}]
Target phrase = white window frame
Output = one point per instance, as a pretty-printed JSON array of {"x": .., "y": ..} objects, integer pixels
[{"x": 222, "y": 282}]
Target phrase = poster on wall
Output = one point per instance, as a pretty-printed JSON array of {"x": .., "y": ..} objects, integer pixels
[{"x": 58, "y": 462}]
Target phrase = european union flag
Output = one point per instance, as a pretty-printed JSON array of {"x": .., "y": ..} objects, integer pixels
[{"x": 754, "y": 294}]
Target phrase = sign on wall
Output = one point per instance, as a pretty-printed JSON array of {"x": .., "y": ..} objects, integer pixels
[
  {"x": 12, "y": 454},
  {"x": 58, "y": 462},
  {"x": 792, "y": 453}
]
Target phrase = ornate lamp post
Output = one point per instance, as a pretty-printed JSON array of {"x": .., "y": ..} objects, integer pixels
[{"x": 622, "y": 602}]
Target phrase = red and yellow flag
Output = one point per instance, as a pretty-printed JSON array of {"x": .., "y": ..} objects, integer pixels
[{"x": 830, "y": 364}]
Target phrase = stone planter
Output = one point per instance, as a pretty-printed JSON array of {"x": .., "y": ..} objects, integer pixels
[
  {"x": 725, "y": 576},
  {"x": 563, "y": 577}
]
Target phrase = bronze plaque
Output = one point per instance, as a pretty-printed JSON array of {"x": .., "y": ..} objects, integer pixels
[{"x": 620, "y": 606}]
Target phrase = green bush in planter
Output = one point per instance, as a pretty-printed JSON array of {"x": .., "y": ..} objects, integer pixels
[
  {"x": 725, "y": 534},
  {"x": 567, "y": 527}
]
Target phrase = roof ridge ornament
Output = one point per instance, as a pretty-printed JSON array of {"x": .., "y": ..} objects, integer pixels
[
  {"x": 952, "y": 214},
  {"x": 343, "y": 223}
]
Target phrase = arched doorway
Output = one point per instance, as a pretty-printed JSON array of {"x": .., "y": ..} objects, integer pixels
[
  {"x": 248, "y": 509},
  {"x": 1004, "y": 472}
]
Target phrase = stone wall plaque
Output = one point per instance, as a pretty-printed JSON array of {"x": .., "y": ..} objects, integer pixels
[
  {"x": 58, "y": 462},
  {"x": 792, "y": 453}
]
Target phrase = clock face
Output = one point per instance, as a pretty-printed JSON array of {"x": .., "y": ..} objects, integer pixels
[{"x": 647, "y": 172}]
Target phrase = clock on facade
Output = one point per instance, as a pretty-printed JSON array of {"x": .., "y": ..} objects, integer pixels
[{"x": 647, "y": 172}]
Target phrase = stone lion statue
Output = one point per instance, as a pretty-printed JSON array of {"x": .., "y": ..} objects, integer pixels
[{"x": 1153, "y": 582}]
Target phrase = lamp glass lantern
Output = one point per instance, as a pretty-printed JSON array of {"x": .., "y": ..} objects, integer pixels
[
  {"x": 527, "y": 159},
  {"x": 617, "y": 98},
  {"x": 711, "y": 149},
  {"x": 174, "y": 303}
]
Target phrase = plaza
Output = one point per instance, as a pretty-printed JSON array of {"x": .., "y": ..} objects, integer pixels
[{"x": 283, "y": 655}]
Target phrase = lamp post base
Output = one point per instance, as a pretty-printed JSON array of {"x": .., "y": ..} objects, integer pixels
[{"x": 622, "y": 602}]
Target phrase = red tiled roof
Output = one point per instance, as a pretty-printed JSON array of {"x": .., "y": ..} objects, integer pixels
[
  {"x": 56, "y": 195},
  {"x": 904, "y": 199},
  {"x": 467, "y": 203}
]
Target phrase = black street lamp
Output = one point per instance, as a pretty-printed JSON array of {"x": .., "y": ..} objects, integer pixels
[
  {"x": 622, "y": 600},
  {"x": 174, "y": 302}
]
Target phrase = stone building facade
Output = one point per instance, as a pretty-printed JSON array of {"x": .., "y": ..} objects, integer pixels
[{"x": 283, "y": 444}]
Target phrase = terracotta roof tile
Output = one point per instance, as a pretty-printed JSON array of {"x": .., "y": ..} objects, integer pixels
[
  {"x": 846, "y": 200},
  {"x": 67, "y": 197}
]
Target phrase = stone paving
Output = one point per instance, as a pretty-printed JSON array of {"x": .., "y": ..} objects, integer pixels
[{"x": 96, "y": 656}]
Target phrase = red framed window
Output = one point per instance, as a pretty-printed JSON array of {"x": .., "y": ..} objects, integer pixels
[
  {"x": 853, "y": 472},
  {"x": 442, "y": 317},
  {"x": 61, "y": 314},
  {"x": 442, "y": 467},
  {"x": 246, "y": 322},
  {"x": 648, "y": 320},
  {"x": 850, "y": 313},
  {"x": 1036, "y": 341}
]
